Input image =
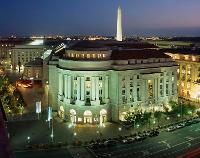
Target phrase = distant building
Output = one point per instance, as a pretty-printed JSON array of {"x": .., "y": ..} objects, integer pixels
[
  {"x": 188, "y": 73},
  {"x": 95, "y": 82},
  {"x": 22, "y": 54},
  {"x": 34, "y": 69}
]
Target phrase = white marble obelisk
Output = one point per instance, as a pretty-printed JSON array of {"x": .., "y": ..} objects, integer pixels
[{"x": 119, "y": 24}]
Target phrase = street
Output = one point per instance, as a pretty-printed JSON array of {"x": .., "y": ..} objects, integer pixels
[{"x": 167, "y": 144}]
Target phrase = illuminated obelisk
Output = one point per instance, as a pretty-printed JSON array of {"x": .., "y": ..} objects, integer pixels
[{"x": 119, "y": 24}]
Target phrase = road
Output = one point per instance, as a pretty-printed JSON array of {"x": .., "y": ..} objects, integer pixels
[
  {"x": 167, "y": 144},
  {"x": 43, "y": 153}
]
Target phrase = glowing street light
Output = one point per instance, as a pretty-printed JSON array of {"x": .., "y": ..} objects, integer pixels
[
  {"x": 28, "y": 139},
  {"x": 119, "y": 128},
  {"x": 168, "y": 118},
  {"x": 75, "y": 134}
]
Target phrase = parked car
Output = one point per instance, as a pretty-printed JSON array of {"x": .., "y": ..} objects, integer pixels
[
  {"x": 110, "y": 143},
  {"x": 128, "y": 140}
]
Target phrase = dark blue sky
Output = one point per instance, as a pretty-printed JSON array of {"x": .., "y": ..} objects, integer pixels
[{"x": 98, "y": 17}]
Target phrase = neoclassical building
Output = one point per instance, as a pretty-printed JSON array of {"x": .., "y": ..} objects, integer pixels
[{"x": 93, "y": 82}]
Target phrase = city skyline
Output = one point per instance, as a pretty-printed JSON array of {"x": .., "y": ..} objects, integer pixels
[{"x": 171, "y": 18}]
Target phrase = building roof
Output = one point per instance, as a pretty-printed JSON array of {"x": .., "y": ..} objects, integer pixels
[
  {"x": 182, "y": 51},
  {"x": 110, "y": 44},
  {"x": 35, "y": 62},
  {"x": 137, "y": 54}
]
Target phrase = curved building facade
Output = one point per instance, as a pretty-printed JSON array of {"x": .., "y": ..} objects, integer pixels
[{"x": 95, "y": 85}]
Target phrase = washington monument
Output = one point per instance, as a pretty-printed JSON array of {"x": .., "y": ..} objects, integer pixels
[{"x": 119, "y": 24}]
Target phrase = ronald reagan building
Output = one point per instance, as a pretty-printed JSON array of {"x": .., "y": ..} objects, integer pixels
[{"x": 98, "y": 81}]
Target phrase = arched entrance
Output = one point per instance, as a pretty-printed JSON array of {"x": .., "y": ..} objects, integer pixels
[
  {"x": 87, "y": 116},
  {"x": 103, "y": 116},
  {"x": 61, "y": 112},
  {"x": 73, "y": 116}
]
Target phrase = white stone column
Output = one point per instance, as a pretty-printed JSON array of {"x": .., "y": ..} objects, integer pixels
[
  {"x": 66, "y": 87},
  {"x": 60, "y": 84},
  {"x": 135, "y": 87},
  {"x": 78, "y": 88},
  {"x": 158, "y": 84},
  {"x": 93, "y": 89},
  {"x": 106, "y": 88},
  {"x": 155, "y": 89},
  {"x": 164, "y": 84},
  {"x": 82, "y": 88},
  {"x": 69, "y": 82},
  {"x": 97, "y": 88}
]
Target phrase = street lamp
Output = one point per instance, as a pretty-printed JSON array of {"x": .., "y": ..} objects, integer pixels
[
  {"x": 119, "y": 128},
  {"x": 28, "y": 139},
  {"x": 52, "y": 137}
]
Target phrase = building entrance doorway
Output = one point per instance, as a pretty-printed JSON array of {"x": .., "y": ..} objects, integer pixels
[
  {"x": 87, "y": 116},
  {"x": 103, "y": 116},
  {"x": 73, "y": 116}
]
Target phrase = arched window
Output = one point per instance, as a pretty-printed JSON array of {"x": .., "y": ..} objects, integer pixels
[{"x": 87, "y": 113}]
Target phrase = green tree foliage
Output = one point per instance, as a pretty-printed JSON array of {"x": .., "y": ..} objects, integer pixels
[{"x": 11, "y": 98}]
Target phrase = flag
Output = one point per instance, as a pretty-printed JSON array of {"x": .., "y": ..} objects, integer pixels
[
  {"x": 38, "y": 107},
  {"x": 49, "y": 113}
]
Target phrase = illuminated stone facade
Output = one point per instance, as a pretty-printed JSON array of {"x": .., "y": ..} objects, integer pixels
[
  {"x": 188, "y": 75},
  {"x": 99, "y": 85}
]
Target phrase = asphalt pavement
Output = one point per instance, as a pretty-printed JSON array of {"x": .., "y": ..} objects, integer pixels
[{"x": 166, "y": 145}]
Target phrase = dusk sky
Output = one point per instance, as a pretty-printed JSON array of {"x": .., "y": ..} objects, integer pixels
[{"x": 98, "y": 17}]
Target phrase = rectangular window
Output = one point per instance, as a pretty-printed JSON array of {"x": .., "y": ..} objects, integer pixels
[
  {"x": 167, "y": 89},
  {"x": 131, "y": 84},
  {"x": 138, "y": 94},
  {"x": 173, "y": 89},
  {"x": 123, "y": 99}
]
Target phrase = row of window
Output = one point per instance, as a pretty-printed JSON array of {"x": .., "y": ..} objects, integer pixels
[{"x": 87, "y": 56}]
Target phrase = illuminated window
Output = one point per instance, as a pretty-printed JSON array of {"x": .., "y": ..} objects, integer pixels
[
  {"x": 150, "y": 88},
  {"x": 94, "y": 55},
  {"x": 172, "y": 78},
  {"x": 88, "y": 55},
  {"x": 104, "y": 55},
  {"x": 77, "y": 55},
  {"x": 193, "y": 58},
  {"x": 99, "y": 55},
  {"x": 82, "y": 55},
  {"x": 72, "y": 55}
]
